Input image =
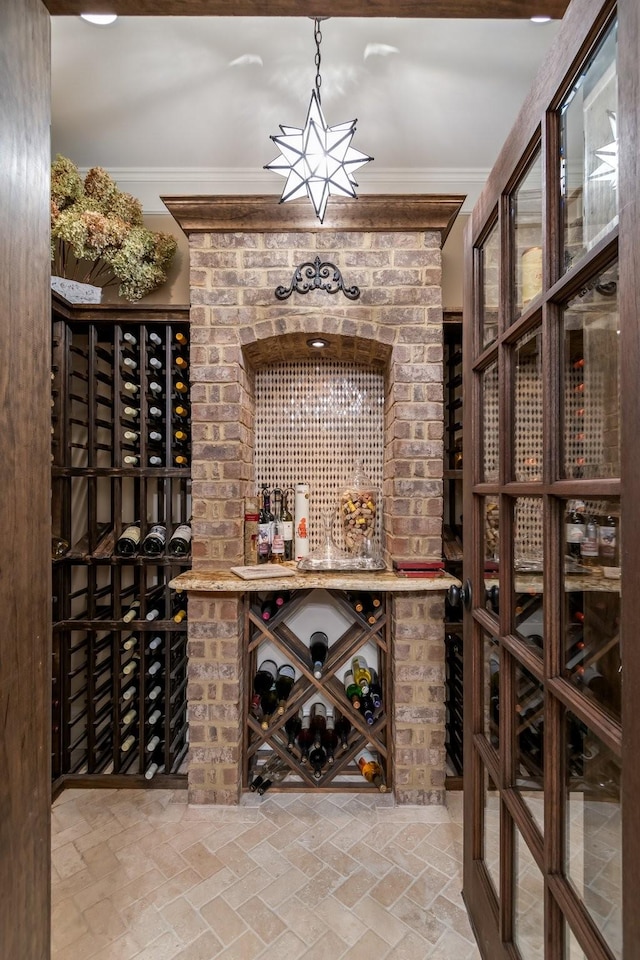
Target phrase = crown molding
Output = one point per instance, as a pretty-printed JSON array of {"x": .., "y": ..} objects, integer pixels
[{"x": 148, "y": 185}]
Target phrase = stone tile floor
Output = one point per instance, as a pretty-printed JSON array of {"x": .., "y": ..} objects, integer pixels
[{"x": 141, "y": 875}]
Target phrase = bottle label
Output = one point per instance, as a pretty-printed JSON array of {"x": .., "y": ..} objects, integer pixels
[
  {"x": 574, "y": 532},
  {"x": 131, "y": 533},
  {"x": 183, "y": 531},
  {"x": 589, "y": 546},
  {"x": 277, "y": 547},
  {"x": 608, "y": 543},
  {"x": 287, "y": 529},
  {"x": 264, "y": 539}
]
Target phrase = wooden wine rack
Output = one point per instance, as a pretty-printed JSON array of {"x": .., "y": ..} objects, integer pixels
[
  {"x": 95, "y": 494},
  {"x": 260, "y": 744}
]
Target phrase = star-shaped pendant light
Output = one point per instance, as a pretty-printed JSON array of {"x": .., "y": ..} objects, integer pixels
[{"x": 317, "y": 160}]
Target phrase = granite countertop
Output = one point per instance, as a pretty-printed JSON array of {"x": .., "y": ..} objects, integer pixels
[{"x": 222, "y": 580}]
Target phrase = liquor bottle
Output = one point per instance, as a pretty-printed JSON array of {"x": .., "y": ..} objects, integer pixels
[
  {"x": 589, "y": 544},
  {"x": 277, "y": 540},
  {"x": 132, "y": 613},
  {"x": 284, "y": 682},
  {"x": 265, "y": 527},
  {"x": 608, "y": 541},
  {"x": 292, "y": 728},
  {"x": 318, "y": 722},
  {"x": 305, "y": 737},
  {"x": 343, "y": 729},
  {"x": 352, "y": 690},
  {"x": 154, "y": 542},
  {"x": 330, "y": 737},
  {"x": 287, "y": 526},
  {"x": 375, "y": 690},
  {"x": 574, "y": 528},
  {"x": 317, "y": 759},
  {"x": 371, "y": 769},
  {"x": 361, "y": 673},
  {"x": 318, "y": 648},
  {"x": 128, "y": 541}
]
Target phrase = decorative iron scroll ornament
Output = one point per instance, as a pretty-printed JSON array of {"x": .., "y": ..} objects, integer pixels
[{"x": 317, "y": 276}]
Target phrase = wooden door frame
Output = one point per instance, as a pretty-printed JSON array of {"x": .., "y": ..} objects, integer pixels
[{"x": 582, "y": 24}]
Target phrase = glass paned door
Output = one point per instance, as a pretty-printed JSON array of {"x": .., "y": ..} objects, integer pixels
[{"x": 544, "y": 555}]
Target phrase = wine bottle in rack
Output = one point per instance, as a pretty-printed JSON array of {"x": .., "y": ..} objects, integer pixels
[
  {"x": 265, "y": 527},
  {"x": 128, "y": 718},
  {"x": 128, "y": 693},
  {"x": 154, "y": 716},
  {"x": 180, "y": 541},
  {"x": 318, "y": 648},
  {"x": 155, "y": 412},
  {"x": 330, "y": 738},
  {"x": 130, "y": 643},
  {"x": 361, "y": 673},
  {"x": 270, "y": 764},
  {"x": 128, "y": 743},
  {"x": 131, "y": 388},
  {"x": 375, "y": 690},
  {"x": 352, "y": 690},
  {"x": 180, "y": 437},
  {"x": 268, "y": 608},
  {"x": 155, "y": 692},
  {"x": 131, "y": 413},
  {"x": 129, "y": 362},
  {"x": 589, "y": 546},
  {"x": 268, "y": 706},
  {"x": 130, "y": 667},
  {"x": 179, "y": 607},
  {"x": 155, "y": 643},
  {"x": 317, "y": 760},
  {"x": 276, "y": 774},
  {"x": 181, "y": 338},
  {"x": 131, "y": 436},
  {"x": 181, "y": 388},
  {"x": 181, "y": 363},
  {"x": 574, "y": 528},
  {"x": 131, "y": 460},
  {"x": 292, "y": 728},
  {"x": 132, "y": 612},
  {"x": 155, "y": 764},
  {"x": 343, "y": 729},
  {"x": 155, "y": 364},
  {"x": 154, "y": 542},
  {"x": 181, "y": 460},
  {"x": 181, "y": 412},
  {"x": 155, "y": 437},
  {"x": 153, "y": 743},
  {"x": 154, "y": 668},
  {"x": 305, "y": 737},
  {"x": 371, "y": 769},
  {"x": 156, "y": 609},
  {"x": 130, "y": 338},
  {"x": 284, "y": 683},
  {"x": 128, "y": 542},
  {"x": 155, "y": 460},
  {"x": 318, "y": 722},
  {"x": 156, "y": 388},
  {"x": 155, "y": 340},
  {"x": 367, "y": 709}
]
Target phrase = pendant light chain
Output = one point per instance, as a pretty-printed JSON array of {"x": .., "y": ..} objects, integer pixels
[{"x": 318, "y": 38}]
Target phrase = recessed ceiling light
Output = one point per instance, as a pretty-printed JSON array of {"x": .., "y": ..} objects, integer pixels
[
  {"x": 101, "y": 19},
  {"x": 541, "y": 18},
  {"x": 318, "y": 343}
]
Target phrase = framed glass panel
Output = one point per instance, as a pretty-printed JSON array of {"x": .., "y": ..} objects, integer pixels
[
  {"x": 591, "y": 375},
  {"x": 527, "y": 407},
  {"x": 589, "y": 153},
  {"x": 489, "y": 286},
  {"x": 491, "y": 832},
  {"x": 490, "y": 430},
  {"x": 528, "y": 563},
  {"x": 528, "y": 903},
  {"x": 530, "y": 741},
  {"x": 592, "y": 602},
  {"x": 526, "y": 222},
  {"x": 491, "y": 536},
  {"x": 593, "y": 851},
  {"x": 491, "y": 713}
]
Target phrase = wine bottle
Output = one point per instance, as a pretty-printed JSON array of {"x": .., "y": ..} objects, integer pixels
[
  {"x": 305, "y": 737},
  {"x": 131, "y": 413},
  {"x": 154, "y": 742},
  {"x": 292, "y": 728},
  {"x": 277, "y": 542},
  {"x": 155, "y": 363},
  {"x": 375, "y": 690},
  {"x": 155, "y": 338},
  {"x": 352, "y": 690},
  {"x": 181, "y": 338},
  {"x": 181, "y": 412},
  {"x": 268, "y": 706},
  {"x": 155, "y": 412},
  {"x": 130, "y": 667},
  {"x": 129, "y": 363},
  {"x": 181, "y": 387},
  {"x": 318, "y": 722},
  {"x": 265, "y": 527},
  {"x": 318, "y": 648},
  {"x": 574, "y": 528},
  {"x": 589, "y": 544},
  {"x": 181, "y": 362},
  {"x": 265, "y": 677},
  {"x": 154, "y": 668},
  {"x": 132, "y": 612},
  {"x": 130, "y": 387},
  {"x": 284, "y": 682},
  {"x": 367, "y": 709},
  {"x": 608, "y": 541},
  {"x": 371, "y": 769},
  {"x": 130, "y": 460},
  {"x": 156, "y": 387},
  {"x": 270, "y": 763},
  {"x": 154, "y": 542},
  {"x": 268, "y": 608},
  {"x": 131, "y": 436},
  {"x": 155, "y": 460},
  {"x": 155, "y": 436},
  {"x": 181, "y": 461},
  {"x": 128, "y": 693},
  {"x": 343, "y": 729},
  {"x": 317, "y": 759},
  {"x": 361, "y": 673},
  {"x": 128, "y": 742},
  {"x": 155, "y": 642},
  {"x": 129, "y": 717},
  {"x": 330, "y": 738},
  {"x": 130, "y": 642},
  {"x": 277, "y": 774},
  {"x": 130, "y": 338},
  {"x": 128, "y": 541},
  {"x": 155, "y": 692},
  {"x": 156, "y": 610},
  {"x": 287, "y": 526},
  {"x": 153, "y": 768},
  {"x": 154, "y": 717},
  {"x": 179, "y": 607}
]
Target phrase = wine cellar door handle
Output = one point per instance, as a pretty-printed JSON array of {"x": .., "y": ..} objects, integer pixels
[{"x": 458, "y": 595}]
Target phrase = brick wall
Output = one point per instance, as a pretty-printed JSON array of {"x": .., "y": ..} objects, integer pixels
[{"x": 238, "y": 324}]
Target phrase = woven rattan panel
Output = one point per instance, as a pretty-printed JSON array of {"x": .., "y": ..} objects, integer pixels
[{"x": 313, "y": 422}]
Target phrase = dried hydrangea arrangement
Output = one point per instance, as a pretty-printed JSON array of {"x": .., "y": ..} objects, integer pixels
[{"x": 97, "y": 234}]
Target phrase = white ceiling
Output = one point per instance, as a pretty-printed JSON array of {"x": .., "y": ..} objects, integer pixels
[{"x": 173, "y": 105}]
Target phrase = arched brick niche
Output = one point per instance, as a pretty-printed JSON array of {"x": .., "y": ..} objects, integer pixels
[{"x": 241, "y": 249}]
